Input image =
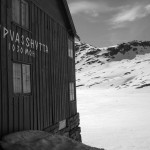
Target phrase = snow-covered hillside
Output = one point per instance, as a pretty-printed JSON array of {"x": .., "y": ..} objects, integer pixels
[
  {"x": 120, "y": 66},
  {"x": 113, "y": 93}
]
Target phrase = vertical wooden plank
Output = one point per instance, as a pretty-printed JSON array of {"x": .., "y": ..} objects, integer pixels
[
  {"x": 63, "y": 76},
  {"x": 30, "y": 34},
  {"x": 14, "y": 53},
  {"x": 37, "y": 69},
  {"x": 34, "y": 76},
  {"x": 31, "y": 60},
  {"x": 18, "y": 31},
  {"x": 26, "y": 113},
  {"x": 4, "y": 70},
  {"x": 46, "y": 72},
  {"x": 63, "y": 79},
  {"x": 50, "y": 72},
  {"x": 24, "y": 47},
  {"x": 0, "y": 77},
  {"x": 31, "y": 107},
  {"x": 60, "y": 73},
  {"x": 9, "y": 72},
  {"x": 43, "y": 71},
  {"x": 16, "y": 113},
  {"x": 56, "y": 74},
  {"x": 65, "y": 50},
  {"x": 20, "y": 113},
  {"x": 55, "y": 71},
  {"x": 40, "y": 72}
]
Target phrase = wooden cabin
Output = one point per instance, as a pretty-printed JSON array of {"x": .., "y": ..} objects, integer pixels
[{"x": 37, "y": 67}]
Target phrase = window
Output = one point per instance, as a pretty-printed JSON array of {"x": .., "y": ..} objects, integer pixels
[
  {"x": 21, "y": 78},
  {"x": 20, "y": 12},
  {"x": 26, "y": 78},
  {"x": 17, "y": 78},
  {"x": 62, "y": 124},
  {"x": 70, "y": 48},
  {"x": 71, "y": 90}
]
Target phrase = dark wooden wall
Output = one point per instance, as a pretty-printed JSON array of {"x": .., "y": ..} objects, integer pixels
[
  {"x": 54, "y": 8},
  {"x": 51, "y": 72}
]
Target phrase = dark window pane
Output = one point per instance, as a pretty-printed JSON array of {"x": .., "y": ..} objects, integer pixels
[
  {"x": 70, "y": 48},
  {"x": 24, "y": 14},
  {"x": 26, "y": 78},
  {"x": 16, "y": 11},
  {"x": 73, "y": 98},
  {"x": 71, "y": 89},
  {"x": 17, "y": 78}
]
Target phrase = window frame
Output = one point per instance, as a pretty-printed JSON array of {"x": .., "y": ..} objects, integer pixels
[
  {"x": 72, "y": 91},
  {"x": 22, "y": 86},
  {"x": 70, "y": 48},
  {"x": 27, "y": 16},
  {"x": 62, "y": 125},
  {"x": 17, "y": 66}
]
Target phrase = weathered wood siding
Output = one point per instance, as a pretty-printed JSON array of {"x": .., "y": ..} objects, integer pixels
[
  {"x": 54, "y": 8},
  {"x": 51, "y": 72}
]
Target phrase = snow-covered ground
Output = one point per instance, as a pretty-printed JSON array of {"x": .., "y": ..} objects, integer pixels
[
  {"x": 40, "y": 140},
  {"x": 114, "y": 95},
  {"x": 115, "y": 119}
]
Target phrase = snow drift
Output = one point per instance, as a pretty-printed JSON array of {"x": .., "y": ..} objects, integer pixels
[{"x": 39, "y": 140}]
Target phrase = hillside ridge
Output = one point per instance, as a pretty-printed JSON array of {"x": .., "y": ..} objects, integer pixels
[{"x": 120, "y": 66}]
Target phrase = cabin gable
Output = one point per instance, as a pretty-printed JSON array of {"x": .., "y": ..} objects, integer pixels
[{"x": 58, "y": 10}]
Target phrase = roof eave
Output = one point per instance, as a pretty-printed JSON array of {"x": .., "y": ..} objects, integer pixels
[{"x": 70, "y": 18}]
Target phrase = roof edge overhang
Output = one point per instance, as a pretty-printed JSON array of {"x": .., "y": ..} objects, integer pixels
[{"x": 73, "y": 29}]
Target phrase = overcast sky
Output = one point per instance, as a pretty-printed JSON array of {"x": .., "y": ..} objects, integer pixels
[{"x": 109, "y": 22}]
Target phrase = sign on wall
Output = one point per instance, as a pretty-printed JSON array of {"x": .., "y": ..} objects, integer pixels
[{"x": 22, "y": 44}]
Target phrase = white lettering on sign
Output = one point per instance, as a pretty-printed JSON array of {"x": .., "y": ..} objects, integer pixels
[
  {"x": 12, "y": 34},
  {"x": 23, "y": 44},
  {"x": 5, "y": 32}
]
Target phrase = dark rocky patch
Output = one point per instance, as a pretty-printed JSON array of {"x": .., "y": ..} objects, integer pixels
[
  {"x": 142, "y": 86},
  {"x": 127, "y": 73},
  {"x": 80, "y": 85},
  {"x": 91, "y": 62},
  {"x": 77, "y": 62},
  {"x": 94, "y": 84},
  {"x": 93, "y": 51},
  {"x": 138, "y": 62}
]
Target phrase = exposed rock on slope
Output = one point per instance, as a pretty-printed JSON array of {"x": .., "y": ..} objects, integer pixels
[{"x": 119, "y": 66}]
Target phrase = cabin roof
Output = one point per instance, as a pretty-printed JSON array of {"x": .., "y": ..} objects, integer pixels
[
  {"x": 73, "y": 29},
  {"x": 68, "y": 16}
]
